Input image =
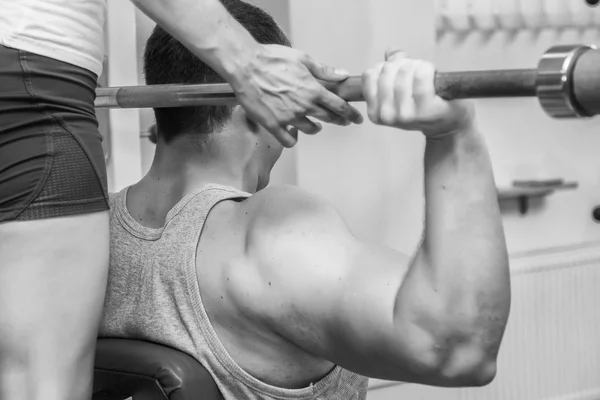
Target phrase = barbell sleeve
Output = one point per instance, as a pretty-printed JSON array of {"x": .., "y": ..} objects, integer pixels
[
  {"x": 567, "y": 83},
  {"x": 586, "y": 82}
]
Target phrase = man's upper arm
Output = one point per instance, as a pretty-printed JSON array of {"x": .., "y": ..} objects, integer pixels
[{"x": 327, "y": 292}]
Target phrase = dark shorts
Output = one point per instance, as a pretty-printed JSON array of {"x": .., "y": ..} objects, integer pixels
[{"x": 51, "y": 157}]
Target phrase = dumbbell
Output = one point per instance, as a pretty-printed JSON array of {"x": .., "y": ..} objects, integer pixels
[{"x": 566, "y": 82}]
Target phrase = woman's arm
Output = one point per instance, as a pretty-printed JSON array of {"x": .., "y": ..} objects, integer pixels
[{"x": 276, "y": 85}]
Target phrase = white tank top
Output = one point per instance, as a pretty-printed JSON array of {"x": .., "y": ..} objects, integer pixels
[{"x": 67, "y": 30}]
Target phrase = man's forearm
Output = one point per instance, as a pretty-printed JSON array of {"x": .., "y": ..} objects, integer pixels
[
  {"x": 464, "y": 249},
  {"x": 207, "y": 29}
]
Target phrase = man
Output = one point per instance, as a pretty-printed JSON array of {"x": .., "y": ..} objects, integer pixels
[{"x": 267, "y": 288}]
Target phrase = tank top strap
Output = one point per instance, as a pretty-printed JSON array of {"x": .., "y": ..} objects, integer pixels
[{"x": 194, "y": 207}]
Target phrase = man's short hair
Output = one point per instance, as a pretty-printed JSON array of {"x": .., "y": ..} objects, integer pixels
[{"x": 168, "y": 61}]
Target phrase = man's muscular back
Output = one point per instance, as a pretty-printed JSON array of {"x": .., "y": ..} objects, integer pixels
[
  {"x": 239, "y": 293},
  {"x": 246, "y": 300}
]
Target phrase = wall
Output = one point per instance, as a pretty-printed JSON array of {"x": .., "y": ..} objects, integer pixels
[
  {"x": 526, "y": 144},
  {"x": 124, "y": 164}
]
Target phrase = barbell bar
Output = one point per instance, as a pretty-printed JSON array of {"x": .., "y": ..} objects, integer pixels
[{"x": 566, "y": 82}]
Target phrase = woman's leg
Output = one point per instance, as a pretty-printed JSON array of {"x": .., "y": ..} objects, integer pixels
[
  {"x": 53, "y": 228},
  {"x": 52, "y": 283}
]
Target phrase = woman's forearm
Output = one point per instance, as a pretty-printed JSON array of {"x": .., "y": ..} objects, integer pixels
[{"x": 207, "y": 29}]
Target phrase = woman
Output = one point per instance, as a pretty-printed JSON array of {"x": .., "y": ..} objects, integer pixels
[{"x": 53, "y": 207}]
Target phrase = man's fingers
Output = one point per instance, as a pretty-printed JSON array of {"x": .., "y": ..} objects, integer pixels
[
  {"x": 388, "y": 93},
  {"x": 153, "y": 134},
  {"x": 424, "y": 84},
  {"x": 339, "y": 106},
  {"x": 370, "y": 81},
  {"x": 403, "y": 87},
  {"x": 392, "y": 54}
]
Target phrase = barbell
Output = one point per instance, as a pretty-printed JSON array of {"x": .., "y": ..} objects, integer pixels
[{"x": 566, "y": 82}]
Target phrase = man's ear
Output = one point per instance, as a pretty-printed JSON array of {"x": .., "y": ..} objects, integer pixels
[
  {"x": 153, "y": 131},
  {"x": 241, "y": 121}
]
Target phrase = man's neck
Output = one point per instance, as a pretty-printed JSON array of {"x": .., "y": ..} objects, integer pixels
[{"x": 184, "y": 170}]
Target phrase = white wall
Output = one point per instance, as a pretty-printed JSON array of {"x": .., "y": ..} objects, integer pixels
[
  {"x": 527, "y": 144},
  {"x": 144, "y": 26},
  {"x": 124, "y": 165}
]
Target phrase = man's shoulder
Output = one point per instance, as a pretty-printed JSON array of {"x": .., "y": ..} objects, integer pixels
[
  {"x": 113, "y": 199},
  {"x": 282, "y": 205},
  {"x": 285, "y": 220}
]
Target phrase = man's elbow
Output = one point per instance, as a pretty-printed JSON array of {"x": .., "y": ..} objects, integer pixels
[
  {"x": 472, "y": 375},
  {"x": 484, "y": 375},
  {"x": 468, "y": 365},
  {"x": 470, "y": 348},
  {"x": 458, "y": 360}
]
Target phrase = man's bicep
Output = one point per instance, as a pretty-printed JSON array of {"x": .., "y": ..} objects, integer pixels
[{"x": 360, "y": 330}]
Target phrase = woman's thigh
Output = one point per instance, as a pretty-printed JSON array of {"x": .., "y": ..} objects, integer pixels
[
  {"x": 53, "y": 275},
  {"x": 53, "y": 278}
]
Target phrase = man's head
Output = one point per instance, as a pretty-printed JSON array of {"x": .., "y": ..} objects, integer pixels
[{"x": 209, "y": 128}]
